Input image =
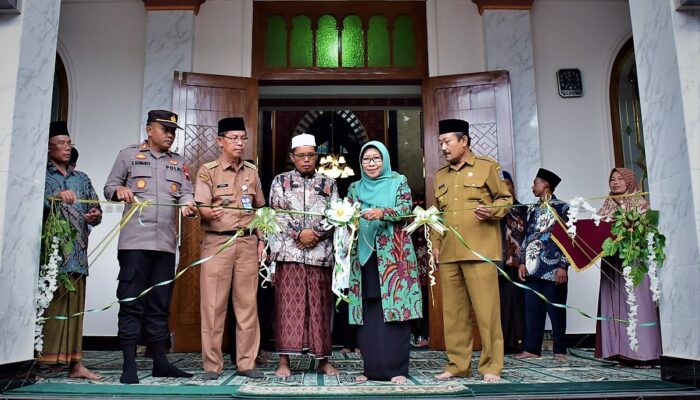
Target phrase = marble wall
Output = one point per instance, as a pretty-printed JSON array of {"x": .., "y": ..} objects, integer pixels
[
  {"x": 29, "y": 54},
  {"x": 508, "y": 42},
  {"x": 169, "y": 42},
  {"x": 667, "y": 52}
]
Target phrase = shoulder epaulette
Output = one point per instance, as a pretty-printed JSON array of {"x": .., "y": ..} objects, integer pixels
[
  {"x": 211, "y": 164},
  {"x": 441, "y": 168},
  {"x": 487, "y": 158},
  {"x": 250, "y": 165}
]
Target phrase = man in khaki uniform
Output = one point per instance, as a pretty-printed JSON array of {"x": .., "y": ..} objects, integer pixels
[
  {"x": 471, "y": 194},
  {"x": 229, "y": 181}
]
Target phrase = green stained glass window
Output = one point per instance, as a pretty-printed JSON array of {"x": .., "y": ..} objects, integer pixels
[
  {"x": 276, "y": 42},
  {"x": 302, "y": 42},
  {"x": 353, "y": 42},
  {"x": 327, "y": 42},
  {"x": 404, "y": 42},
  {"x": 377, "y": 42}
]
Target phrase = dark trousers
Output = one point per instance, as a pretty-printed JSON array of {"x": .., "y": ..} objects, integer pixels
[
  {"x": 138, "y": 270},
  {"x": 536, "y": 312}
]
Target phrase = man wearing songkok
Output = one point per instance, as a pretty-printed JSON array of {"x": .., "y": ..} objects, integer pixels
[
  {"x": 63, "y": 339},
  {"x": 303, "y": 254},
  {"x": 472, "y": 196},
  {"x": 147, "y": 243},
  {"x": 231, "y": 187},
  {"x": 544, "y": 267}
]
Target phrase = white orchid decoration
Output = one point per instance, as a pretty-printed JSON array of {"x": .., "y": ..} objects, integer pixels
[
  {"x": 632, "y": 304},
  {"x": 342, "y": 212},
  {"x": 47, "y": 285},
  {"x": 576, "y": 205},
  {"x": 652, "y": 264},
  {"x": 344, "y": 216}
]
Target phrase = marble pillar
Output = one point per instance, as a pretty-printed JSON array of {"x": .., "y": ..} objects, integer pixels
[
  {"x": 169, "y": 45},
  {"x": 28, "y": 43},
  {"x": 508, "y": 42},
  {"x": 667, "y": 50}
]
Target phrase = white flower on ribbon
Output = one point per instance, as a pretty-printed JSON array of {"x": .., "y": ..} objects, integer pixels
[
  {"x": 632, "y": 305},
  {"x": 341, "y": 212},
  {"x": 652, "y": 267},
  {"x": 576, "y": 205},
  {"x": 46, "y": 286}
]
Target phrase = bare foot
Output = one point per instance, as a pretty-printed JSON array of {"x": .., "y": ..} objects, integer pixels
[
  {"x": 283, "y": 370},
  {"x": 444, "y": 376},
  {"x": 525, "y": 355},
  {"x": 399, "y": 380},
  {"x": 560, "y": 357},
  {"x": 490, "y": 378},
  {"x": 345, "y": 350},
  {"x": 327, "y": 368},
  {"x": 78, "y": 371},
  {"x": 361, "y": 378},
  {"x": 357, "y": 350}
]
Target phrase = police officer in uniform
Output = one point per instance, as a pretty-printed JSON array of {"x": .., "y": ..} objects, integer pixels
[
  {"x": 473, "y": 197},
  {"x": 229, "y": 181},
  {"x": 147, "y": 243}
]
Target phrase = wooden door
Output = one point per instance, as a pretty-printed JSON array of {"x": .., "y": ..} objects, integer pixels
[
  {"x": 482, "y": 99},
  {"x": 201, "y": 101}
]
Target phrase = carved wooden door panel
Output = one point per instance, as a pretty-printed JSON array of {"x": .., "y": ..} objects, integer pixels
[
  {"x": 482, "y": 99},
  {"x": 200, "y": 101}
]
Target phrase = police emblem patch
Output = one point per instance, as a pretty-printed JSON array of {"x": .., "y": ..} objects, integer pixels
[
  {"x": 173, "y": 187},
  {"x": 140, "y": 184}
]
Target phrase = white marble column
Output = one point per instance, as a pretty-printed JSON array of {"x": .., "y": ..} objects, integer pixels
[
  {"x": 508, "y": 40},
  {"x": 667, "y": 49},
  {"x": 169, "y": 45},
  {"x": 28, "y": 43}
]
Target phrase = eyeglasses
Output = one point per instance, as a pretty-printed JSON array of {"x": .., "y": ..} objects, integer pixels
[
  {"x": 62, "y": 143},
  {"x": 242, "y": 139},
  {"x": 302, "y": 156},
  {"x": 375, "y": 160}
]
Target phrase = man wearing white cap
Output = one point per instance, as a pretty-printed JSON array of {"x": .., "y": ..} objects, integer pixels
[{"x": 303, "y": 257}]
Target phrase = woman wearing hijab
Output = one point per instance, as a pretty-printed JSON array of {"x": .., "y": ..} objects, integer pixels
[
  {"x": 384, "y": 289},
  {"x": 611, "y": 336}
]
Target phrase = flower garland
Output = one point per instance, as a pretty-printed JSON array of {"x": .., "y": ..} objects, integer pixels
[
  {"x": 652, "y": 267},
  {"x": 632, "y": 304},
  {"x": 576, "y": 205},
  {"x": 46, "y": 287}
]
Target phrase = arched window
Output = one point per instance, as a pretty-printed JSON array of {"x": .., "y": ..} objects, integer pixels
[
  {"x": 302, "y": 42},
  {"x": 327, "y": 42},
  {"x": 59, "y": 99}
]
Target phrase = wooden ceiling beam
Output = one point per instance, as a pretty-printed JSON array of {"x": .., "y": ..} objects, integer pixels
[
  {"x": 503, "y": 5},
  {"x": 168, "y": 5}
]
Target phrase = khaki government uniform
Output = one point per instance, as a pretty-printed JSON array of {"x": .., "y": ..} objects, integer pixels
[
  {"x": 467, "y": 281},
  {"x": 235, "y": 269}
]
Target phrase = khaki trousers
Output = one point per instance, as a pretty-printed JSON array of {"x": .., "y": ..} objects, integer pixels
[
  {"x": 235, "y": 269},
  {"x": 467, "y": 285}
]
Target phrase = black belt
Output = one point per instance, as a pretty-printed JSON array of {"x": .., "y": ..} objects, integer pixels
[{"x": 246, "y": 232}]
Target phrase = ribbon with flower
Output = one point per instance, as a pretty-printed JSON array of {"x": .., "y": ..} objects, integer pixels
[
  {"x": 344, "y": 216},
  {"x": 429, "y": 219},
  {"x": 265, "y": 222}
]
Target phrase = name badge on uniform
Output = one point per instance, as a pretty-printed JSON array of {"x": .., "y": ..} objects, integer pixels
[{"x": 246, "y": 201}]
